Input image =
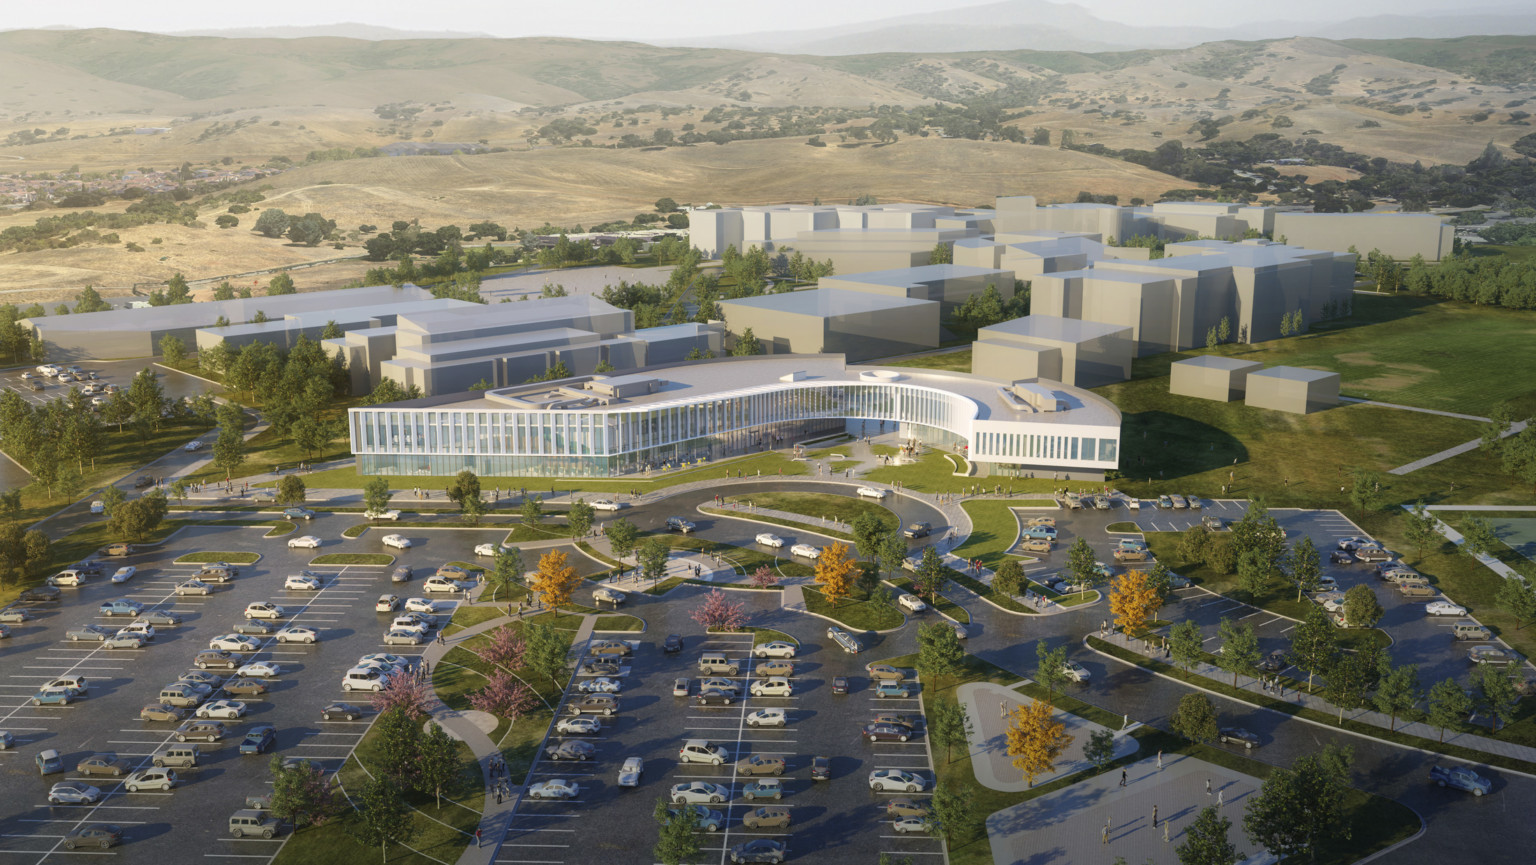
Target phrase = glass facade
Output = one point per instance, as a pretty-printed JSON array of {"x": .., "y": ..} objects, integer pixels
[{"x": 621, "y": 439}]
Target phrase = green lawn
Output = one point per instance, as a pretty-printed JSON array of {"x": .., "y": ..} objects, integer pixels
[
  {"x": 806, "y": 523},
  {"x": 767, "y": 464},
  {"x": 1409, "y": 350},
  {"x": 938, "y": 602},
  {"x": 442, "y": 832},
  {"x": 853, "y": 612},
  {"x": 949, "y": 361},
  {"x": 467, "y": 616},
  {"x": 523, "y": 533},
  {"x": 994, "y": 528},
  {"x": 844, "y": 509},
  {"x": 618, "y": 622},
  {"x": 356, "y": 531},
  {"x": 279, "y": 528},
  {"x": 769, "y": 635},
  {"x": 932, "y": 473},
  {"x": 233, "y": 558},
  {"x": 988, "y": 593},
  {"x": 353, "y": 559}
]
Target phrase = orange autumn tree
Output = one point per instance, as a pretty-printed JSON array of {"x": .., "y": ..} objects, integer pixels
[
  {"x": 1035, "y": 739},
  {"x": 835, "y": 571},
  {"x": 555, "y": 580},
  {"x": 1134, "y": 600}
]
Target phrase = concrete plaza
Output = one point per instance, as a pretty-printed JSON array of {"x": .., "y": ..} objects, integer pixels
[
  {"x": 1069, "y": 825},
  {"x": 989, "y": 743}
]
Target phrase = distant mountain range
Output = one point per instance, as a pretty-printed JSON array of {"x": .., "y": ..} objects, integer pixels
[
  {"x": 348, "y": 30},
  {"x": 1046, "y": 26}
]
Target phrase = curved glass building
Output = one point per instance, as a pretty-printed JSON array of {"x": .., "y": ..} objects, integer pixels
[{"x": 614, "y": 425}]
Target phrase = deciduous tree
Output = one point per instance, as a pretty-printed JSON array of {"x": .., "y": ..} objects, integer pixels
[
  {"x": 546, "y": 650},
  {"x": 505, "y": 695},
  {"x": 954, "y": 810},
  {"x": 399, "y": 737},
  {"x": 764, "y": 577},
  {"x": 1050, "y": 668},
  {"x": 1350, "y": 679},
  {"x": 554, "y": 580},
  {"x": 1008, "y": 579},
  {"x": 653, "y": 555},
  {"x": 1206, "y": 841},
  {"x": 405, "y": 693},
  {"x": 939, "y": 652},
  {"x": 1517, "y": 598},
  {"x": 376, "y": 494},
  {"x": 1305, "y": 566},
  {"x": 1314, "y": 643},
  {"x": 579, "y": 518},
  {"x": 438, "y": 762},
  {"x": 229, "y": 447},
  {"x": 948, "y": 726},
  {"x": 621, "y": 535},
  {"x": 1496, "y": 693},
  {"x": 1297, "y": 808},
  {"x": 1448, "y": 702},
  {"x": 300, "y": 793},
  {"x": 1398, "y": 691},
  {"x": 1239, "y": 653},
  {"x": 1195, "y": 718},
  {"x": 1035, "y": 739},
  {"x": 507, "y": 572},
  {"x": 677, "y": 840},
  {"x": 1133, "y": 600},
  {"x": 720, "y": 613},
  {"x": 835, "y": 571},
  {"x": 1185, "y": 644},
  {"x": 383, "y": 817},
  {"x": 1420, "y": 529},
  {"x": 1478, "y": 537},
  {"x": 504, "y": 647},
  {"x": 290, "y": 491},
  {"x": 1361, "y": 607},
  {"x": 1100, "y": 749}
]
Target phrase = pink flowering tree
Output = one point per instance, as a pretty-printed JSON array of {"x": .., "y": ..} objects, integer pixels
[
  {"x": 405, "y": 692},
  {"x": 505, "y": 648},
  {"x": 504, "y": 695},
  {"x": 764, "y": 577},
  {"x": 719, "y": 613}
]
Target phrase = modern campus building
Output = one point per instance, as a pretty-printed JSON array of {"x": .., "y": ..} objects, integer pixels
[
  {"x": 1294, "y": 389},
  {"x": 949, "y": 284},
  {"x": 612, "y": 425},
  {"x": 857, "y": 324},
  {"x": 1079, "y": 353},
  {"x": 1211, "y": 376}
]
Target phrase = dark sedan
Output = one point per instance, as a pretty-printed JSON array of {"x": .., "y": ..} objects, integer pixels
[
  {"x": 673, "y": 644},
  {"x": 887, "y": 732},
  {"x": 713, "y": 697}
]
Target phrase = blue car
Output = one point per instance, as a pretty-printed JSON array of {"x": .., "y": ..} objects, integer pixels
[
  {"x": 259, "y": 739},
  {"x": 122, "y": 607},
  {"x": 892, "y": 689},
  {"x": 62, "y": 696},
  {"x": 1460, "y": 778},
  {"x": 1045, "y": 533}
]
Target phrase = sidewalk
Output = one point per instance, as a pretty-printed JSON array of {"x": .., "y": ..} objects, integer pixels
[
  {"x": 989, "y": 743},
  {"x": 1314, "y": 701}
]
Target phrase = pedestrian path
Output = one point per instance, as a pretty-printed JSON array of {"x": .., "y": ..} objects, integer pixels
[
  {"x": 1314, "y": 701},
  {"x": 1458, "y": 450},
  {"x": 1488, "y": 561},
  {"x": 988, "y": 740}
]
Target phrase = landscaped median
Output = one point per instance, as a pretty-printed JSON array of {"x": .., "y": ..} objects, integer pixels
[
  {"x": 353, "y": 559},
  {"x": 855, "y": 611},
  {"x": 799, "y": 525},
  {"x": 938, "y": 602},
  {"x": 233, "y": 558},
  {"x": 1326, "y": 719},
  {"x": 1376, "y": 822},
  {"x": 442, "y": 832},
  {"x": 816, "y": 506},
  {"x": 990, "y": 595}
]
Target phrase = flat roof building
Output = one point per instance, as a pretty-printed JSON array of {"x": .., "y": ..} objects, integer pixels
[
  {"x": 602, "y": 426},
  {"x": 1293, "y": 389},
  {"x": 949, "y": 284},
  {"x": 858, "y": 324},
  {"x": 1211, "y": 376},
  {"x": 1078, "y": 353}
]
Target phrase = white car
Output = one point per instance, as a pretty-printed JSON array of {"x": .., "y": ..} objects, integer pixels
[
  {"x": 403, "y": 637},
  {"x": 235, "y": 643},
  {"x": 443, "y": 584},
  {"x": 881, "y": 780},
  {"x": 386, "y": 604},
  {"x": 1333, "y": 602},
  {"x": 222, "y": 709},
  {"x": 805, "y": 551},
  {"x": 1444, "y": 608},
  {"x": 609, "y": 596},
  {"x": 124, "y": 574},
  {"x": 399, "y": 542},
  {"x": 420, "y": 605},
  {"x": 775, "y": 649},
  {"x": 768, "y": 539},
  {"x": 264, "y": 669},
  {"x": 301, "y": 583},
  {"x": 489, "y": 550},
  {"x": 698, "y": 792},
  {"x": 910, "y": 824},
  {"x": 194, "y": 445},
  {"x": 1075, "y": 671},
  {"x": 194, "y": 587},
  {"x": 554, "y": 788},
  {"x": 776, "y": 686},
  {"x": 766, "y": 718},
  {"x": 605, "y": 505},
  {"x": 264, "y": 610},
  {"x": 911, "y": 602},
  {"x": 142, "y": 628},
  {"x": 600, "y": 685},
  {"x": 295, "y": 634},
  {"x": 410, "y": 622},
  {"x": 872, "y": 493},
  {"x": 582, "y": 726},
  {"x": 390, "y": 515},
  {"x": 98, "y": 507},
  {"x": 308, "y": 542},
  {"x": 383, "y": 659},
  {"x": 1326, "y": 584}
]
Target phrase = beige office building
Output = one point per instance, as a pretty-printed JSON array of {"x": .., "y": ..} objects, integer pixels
[
  {"x": 860, "y": 325},
  {"x": 1293, "y": 389},
  {"x": 1224, "y": 379}
]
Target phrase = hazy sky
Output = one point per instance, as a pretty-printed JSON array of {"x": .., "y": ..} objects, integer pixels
[{"x": 618, "y": 19}]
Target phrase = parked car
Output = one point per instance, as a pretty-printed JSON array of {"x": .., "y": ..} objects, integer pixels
[
  {"x": 554, "y": 788},
  {"x": 391, "y": 515},
  {"x": 821, "y": 768},
  {"x": 678, "y": 524},
  {"x": 765, "y": 669},
  {"x": 775, "y": 649},
  {"x": 573, "y": 749},
  {"x": 609, "y": 647},
  {"x": 162, "y": 712},
  {"x": 194, "y": 587},
  {"x": 15, "y": 615},
  {"x": 122, "y": 640},
  {"x": 758, "y": 764},
  {"x": 264, "y": 669},
  {"x": 298, "y": 514},
  {"x": 255, "y": 627},
  {"x": 264, "y": 610},
  {"x": 401, "y": 574},
  {"x": 103, "y": 764},
  {"x": 892, "y": 689},
  {"x": 597, "y": 704},
  {"x": 343, "y": 711},
  {"x": 153, "y": 779},
  {"x": 1460, "y": 778},
  {"x": 850, "y": 644},
  {"x": 258, "y": 739},
  {"x": 599, "y": 685},
  {"x": 1444, "y": 608},
  {"x": 1339, "y": 557},
  {"x": 881, "y": 780},
  {"x": 776, "y": 686},
  {"x": 103, "y": 835},
  {"x": 246, "y": 687},
  {"x": 759, "y": 850},
  {"x": 697, "y": 792},
  {"x": 225, "y": 709},
  {"x": 885, "y": 673},
  {"x": 88, "y": 632},
  {"x": 73, "y": 793},
  {"x": 631, "y": 771},
  {"x": 887, "y": 732},
  {"x": 713, "y": 697},
  {"x": 680, "y": 687},
  {"x": 903, "y": 807},
  {"x": 912, "y": 602},
  {"x": 210, "y": 731},
  {"x": 768, "y": 539},
  {"x": 672, "y": 644},
  {"x": 123, "y": 575},
  {"x": 399, "y": 542},
  {"x": 605, "y": 505},
  {"x": 839, "y": 684},
  {"x": 301, "y": 583},
  {"x": 606, "y": 595},
  {"x": 235, "y": 643},
  {"x": 701, "y": 751},
  {"x": 40, "y": 595},
  {"x": 766, "y": 818},
  {"x": 296, "y": 634},
  {"x": 1238, "y": 736},
  {"x": 163, "y": 618},
  {"x": 767, "y": 718},
  {"x": 1491, "y": 656},
  {"x": 578, "y": 726},
  {"x": 489, "y": 550}
]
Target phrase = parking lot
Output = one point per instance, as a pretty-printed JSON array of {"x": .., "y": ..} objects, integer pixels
[
  {"x": 841, "y": 816},
  {"x": 192, "y": 818}
]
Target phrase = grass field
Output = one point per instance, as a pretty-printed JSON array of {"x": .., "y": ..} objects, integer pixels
[
  {"x": 817, "y": 506},
  {"x": 994, "y": 527},
  {"x": 958, "y": 360},
  {"x": 619, "y": 622}
]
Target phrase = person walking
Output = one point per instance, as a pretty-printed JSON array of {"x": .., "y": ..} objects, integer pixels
[
  {"x": 1220, "y": 796},
  {"x": 1207, "y": 786},
  {"x": 477, "y": 837},
  {"x": 1165, "y": 833},
  {"x": 1154, "y": 816},
  {"x": 1159, "y": 760},
  {"x": 1104, "y": 833},
  {"x": 1123, "y": 776}
]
